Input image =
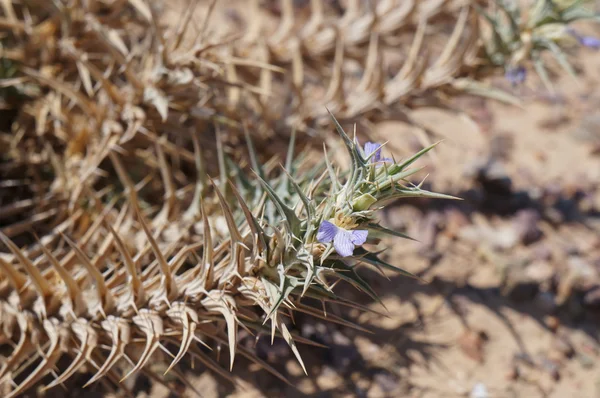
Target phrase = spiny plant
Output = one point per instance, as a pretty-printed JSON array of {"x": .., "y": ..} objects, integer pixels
[
  {"x": 107, "y": 74},
  {"x": 519, "y": 36},
  {"x": 116, "y": 66},
  {"x": 392, "y": 56},
  {"x": 290, "y": 234},
  {"x": 128, "y": 266}
]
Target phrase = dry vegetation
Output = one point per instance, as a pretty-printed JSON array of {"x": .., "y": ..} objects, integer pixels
[{"x": 120, "y": 255}]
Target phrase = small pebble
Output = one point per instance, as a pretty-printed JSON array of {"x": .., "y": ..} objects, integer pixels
[
  {"x": 526, "y": 225},
  {"x": 471, "y": 343},
  {"x": 479, "y": 391},
  {"x": 513, "y": 373}
]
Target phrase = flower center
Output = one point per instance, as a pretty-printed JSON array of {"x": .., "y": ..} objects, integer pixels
[{"x": 344, "y": 221}]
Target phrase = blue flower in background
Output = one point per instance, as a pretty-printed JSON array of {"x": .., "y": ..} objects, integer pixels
[
  {"x": 586, "y": 41},
  {"x": 515, "y": 75},
  {"x": 590, "y": 42},
  {"x": 344, "y": 241}
]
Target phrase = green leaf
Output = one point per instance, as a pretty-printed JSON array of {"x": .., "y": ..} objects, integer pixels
[
  {"x": 577, "y": 12},
  {"x": 382, "y": 229},
  {"x": 336, "y": 185},
  {"x": 253, "y": 223},
  {"x": 363, "y": 202},
  {"x": 560, "y": 57},
  {"x": 484, "y": 90},
  {"x": 291, "y": 220},
  {"x": 290, "y": 153},
  {"x": 236, "y": 262},
  {"x": 283, "y": 186},
  {"x": 415, "y": 192},
  {"x": 497, "y": 38},
  {"x": 416, "y": 156},
  {"x": 358, "y": 161},
  {"x": 223, "y": 170},
  {"x": 305, "y": 259},
  {"x": 538, "y": 64},
  {"x": 253, "y": 156},
  {"x": 318, "y": 292},
  {"x": 349, "y": 275},
  {"x": 512, "y": 13},
  {"x": 244, "y": 185},
  {"x": 278, "y": 294},
  {"x": 308, "y": 205},
  {"x": 372, "y": 259}
]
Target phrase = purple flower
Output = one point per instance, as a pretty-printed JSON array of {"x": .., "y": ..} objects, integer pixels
[
  {"x": 586, "y": 41},
  {"x": 590, "y": 42},
  {"x": 344, "y": 241},
  {"x": 516, "y": 75},
  {"x": 373, "y": 147}
]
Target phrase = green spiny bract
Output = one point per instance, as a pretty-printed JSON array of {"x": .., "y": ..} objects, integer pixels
[{"x": 137, "y": 295}]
